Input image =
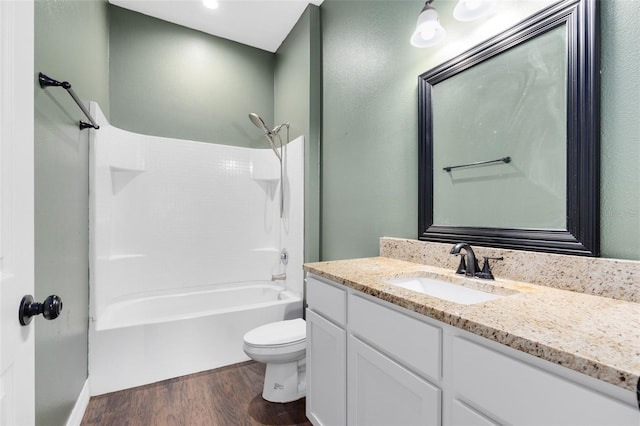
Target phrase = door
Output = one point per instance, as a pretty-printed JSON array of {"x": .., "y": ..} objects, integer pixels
[{"x": 17, "y": 79}]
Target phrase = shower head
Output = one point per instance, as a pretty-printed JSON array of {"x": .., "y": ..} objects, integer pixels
[{"x": 259, "y": 122}]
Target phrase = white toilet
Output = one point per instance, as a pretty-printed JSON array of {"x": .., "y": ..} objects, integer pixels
[{"x": 282, "y": 346}]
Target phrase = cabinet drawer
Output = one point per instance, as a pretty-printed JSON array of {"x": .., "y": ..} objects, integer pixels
[
  {"x": 413, "y": 343},
  {"x": 326, "y": 299},
  {"x": 506, "y": 388}
]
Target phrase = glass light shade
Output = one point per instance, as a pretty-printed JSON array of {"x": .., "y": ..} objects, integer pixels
[
  {"x": 210, "y": 4},
  {"x": 428, "y": 31},
  {"x": 468, "y": 10}
]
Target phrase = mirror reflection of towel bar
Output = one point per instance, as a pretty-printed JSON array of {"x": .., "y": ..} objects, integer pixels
[{"x": 503, "y": 160}]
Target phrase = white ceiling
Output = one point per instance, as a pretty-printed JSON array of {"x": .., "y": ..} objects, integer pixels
[{"x": 259, "y": 23}]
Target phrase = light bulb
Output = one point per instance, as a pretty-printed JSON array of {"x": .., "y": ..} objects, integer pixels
[
  {"x": 472, "y": 4},
  {"x": 468, "y": 10},
  {"x": 428, "y": 33},
  {"x": 210, "y": 4}
]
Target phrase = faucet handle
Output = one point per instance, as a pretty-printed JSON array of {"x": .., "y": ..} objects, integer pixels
[
  {"x": 486, "y": 268},
  {"x": 462, "y": 267}
]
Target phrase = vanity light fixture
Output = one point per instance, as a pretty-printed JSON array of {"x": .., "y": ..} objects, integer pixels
[
  {"x": 468, "y": 10},
  {"x": 210, "y": 4},
  {"x": 428, "y": 31}
]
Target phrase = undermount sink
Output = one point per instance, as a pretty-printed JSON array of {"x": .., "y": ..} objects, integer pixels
[{"x": 445, "y": 290}]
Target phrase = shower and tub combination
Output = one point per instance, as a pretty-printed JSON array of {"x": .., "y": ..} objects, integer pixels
[{"x": 193, "y": 245}]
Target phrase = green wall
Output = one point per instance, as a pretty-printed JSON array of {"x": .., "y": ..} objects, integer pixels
[
  {"x": 167, "y": 80},
  {"x": 620, "y": 121},
  {"x": 71, "y": 44},
  {"x": 369, "y": 130},
  {"x": 298, "y": 101},
  {"x": 370, "y": 119},
  {"x": 291, "y": 79}
]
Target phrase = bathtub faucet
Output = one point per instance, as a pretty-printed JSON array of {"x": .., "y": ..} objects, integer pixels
[{"x": 279, "y": 277}]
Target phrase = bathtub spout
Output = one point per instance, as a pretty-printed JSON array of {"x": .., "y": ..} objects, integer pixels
[{"x": 279, "y": 277}]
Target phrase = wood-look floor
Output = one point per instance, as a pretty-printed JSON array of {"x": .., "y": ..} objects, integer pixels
[{"x": 225, "y": 396}]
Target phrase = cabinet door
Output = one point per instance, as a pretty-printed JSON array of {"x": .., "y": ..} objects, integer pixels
[
  {"x": 326, "y": 372},
  {"x": 462, "y": 415},
  {"x": 381, "y": 392}
]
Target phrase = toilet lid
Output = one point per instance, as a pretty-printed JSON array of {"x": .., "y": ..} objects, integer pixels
[{"x": 277, "y": 333}]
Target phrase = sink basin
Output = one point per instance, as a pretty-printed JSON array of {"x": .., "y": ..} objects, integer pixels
[{"x": 445, "y": 290}]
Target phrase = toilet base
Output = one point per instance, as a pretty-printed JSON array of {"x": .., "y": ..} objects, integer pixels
[{"x": 284, "y": 382}]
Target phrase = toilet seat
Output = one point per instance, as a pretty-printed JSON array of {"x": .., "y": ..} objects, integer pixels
[{"x": 277, "y": 334}]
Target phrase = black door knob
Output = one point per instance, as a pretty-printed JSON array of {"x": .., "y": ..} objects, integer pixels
[{"x": 50, "y": 308}]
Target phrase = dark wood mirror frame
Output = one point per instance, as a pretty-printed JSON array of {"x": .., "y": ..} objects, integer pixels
[{"x": 582, "y": 235}]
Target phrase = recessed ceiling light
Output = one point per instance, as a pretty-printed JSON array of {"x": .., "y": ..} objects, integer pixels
[{"x": 211, "y": 4}]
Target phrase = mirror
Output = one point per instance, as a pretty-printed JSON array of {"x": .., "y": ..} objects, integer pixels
[{"x": 509, "y": 138}]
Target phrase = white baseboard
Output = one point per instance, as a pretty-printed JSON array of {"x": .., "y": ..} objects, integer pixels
[{"x": 75, "y": 418}]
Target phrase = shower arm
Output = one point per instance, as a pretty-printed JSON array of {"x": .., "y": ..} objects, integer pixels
[{"x": 277, "y": 129}]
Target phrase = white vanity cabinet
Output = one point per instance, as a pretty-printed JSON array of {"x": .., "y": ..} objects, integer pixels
[
  {"x": 381, "y": 376},
  {"x": 372, "y": 363}
]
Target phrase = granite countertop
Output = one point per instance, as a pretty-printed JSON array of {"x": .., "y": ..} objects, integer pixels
[{"x": 594, "y": 335}]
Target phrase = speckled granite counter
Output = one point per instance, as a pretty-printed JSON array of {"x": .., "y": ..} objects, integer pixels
[{"x": 595, "y": 335}]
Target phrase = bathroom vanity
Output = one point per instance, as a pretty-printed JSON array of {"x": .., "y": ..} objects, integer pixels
[{"x": 378, "y": 353}]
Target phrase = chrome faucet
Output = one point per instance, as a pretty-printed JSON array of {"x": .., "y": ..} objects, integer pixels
[
  {"x": 471, "y": 266},
  {"x": 279, "y": 277}
]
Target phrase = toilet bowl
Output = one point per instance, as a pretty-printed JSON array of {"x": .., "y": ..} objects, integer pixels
[{"x": 281, "y": 346}]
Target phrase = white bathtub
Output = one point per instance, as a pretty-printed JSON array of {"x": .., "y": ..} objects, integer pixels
[{"x": 151, "y": 337}]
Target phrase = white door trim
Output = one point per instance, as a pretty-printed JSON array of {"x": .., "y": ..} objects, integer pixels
[{"x": 17, "y": 77}]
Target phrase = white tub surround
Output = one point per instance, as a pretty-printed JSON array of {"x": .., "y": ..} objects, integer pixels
[{"x": 183, "y": 232}]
